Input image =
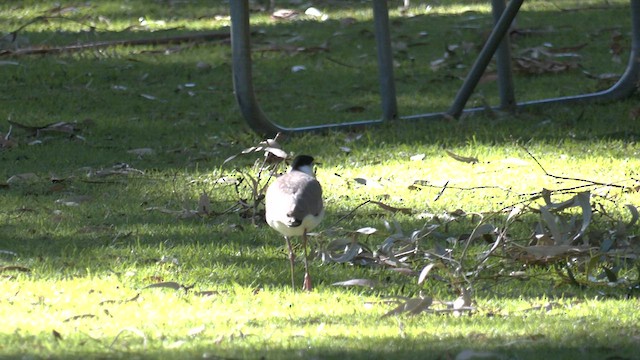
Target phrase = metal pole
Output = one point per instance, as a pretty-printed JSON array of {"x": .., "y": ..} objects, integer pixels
[
  {"x": 503, "y": 59},
  {"x": 385, "y": 60},
  {"x": 242, "y": 72},
  {"x": 490, "y": 47}
]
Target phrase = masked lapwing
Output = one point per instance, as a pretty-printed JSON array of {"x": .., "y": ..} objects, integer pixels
[{"x": 294, "y": 207}]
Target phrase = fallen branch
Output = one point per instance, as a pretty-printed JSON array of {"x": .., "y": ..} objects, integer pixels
[
  {"x": 417, "y": 184},
  {"x": 558, "y": 177},
  {"x": 40, "y": 49},
  {"x": 14, "y": 33},
  {"x": 341, "y": 63}
]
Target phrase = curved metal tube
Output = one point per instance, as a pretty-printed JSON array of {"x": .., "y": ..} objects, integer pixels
[
  {"x": 628, "y": 82},
  {"x": 242, "y": 73},
  {"x": 243, "y": 80},
  {"x": 258, "y": 121}
]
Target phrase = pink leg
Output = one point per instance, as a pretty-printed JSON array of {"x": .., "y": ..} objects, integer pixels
[
  {"x": 307, "y": 286},
  {"x": 292, "y": 258}
]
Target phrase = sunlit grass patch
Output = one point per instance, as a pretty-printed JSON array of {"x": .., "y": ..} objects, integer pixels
[{"x": 128, "y": 235}]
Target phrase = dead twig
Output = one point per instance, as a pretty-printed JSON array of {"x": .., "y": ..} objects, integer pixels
[
  {"x": 349, "y": 214},
  {"x": 341, "y": 63},
  {"x": 559, "y": 177},
  {"x": 14, "y": 33},
  {"x": 444, "y": 187},
  {"x": 424, "y": 183},
  {"x": 36, "y": 50}
]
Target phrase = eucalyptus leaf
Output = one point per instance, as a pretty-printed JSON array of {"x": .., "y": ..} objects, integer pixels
[
  {"x": 515, "y": 211},
  {"x": 583, "y": 200},
  {"x": 367, "y": 230},
  {"x": 465, "y": 159},
  {"x": 167, "y": 284},
  {"x": 338, "y": 244},
  {"x": 412, "y": 306},
  {"x": 357, "y": 282},
  {"x": 634, "y": 214},
  {"x": 552, "y": 224},
  {"x": 425, "y": 272},
  {"x": 349, "y": 254}
]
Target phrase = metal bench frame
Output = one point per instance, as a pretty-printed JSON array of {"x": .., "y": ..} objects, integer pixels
[{"x": 497, "y": 44}]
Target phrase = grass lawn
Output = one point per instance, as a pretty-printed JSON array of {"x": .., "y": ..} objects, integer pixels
[{"x": 123, "y": 232}]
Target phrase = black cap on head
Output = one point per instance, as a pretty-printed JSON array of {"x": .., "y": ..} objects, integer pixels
[{"x": 302, "y": 160}]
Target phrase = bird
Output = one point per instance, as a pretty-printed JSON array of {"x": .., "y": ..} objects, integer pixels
[{"x": 293, "y": 207}]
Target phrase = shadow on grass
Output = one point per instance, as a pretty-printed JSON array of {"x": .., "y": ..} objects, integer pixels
[
  {"x": 165, "y": 99},
  {"x": 156, "y": 103},
  {"x": 197, "y": 254},
  {"x": 534, "y": 346}
]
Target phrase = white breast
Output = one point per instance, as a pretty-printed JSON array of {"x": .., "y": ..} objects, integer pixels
[{"x": 308, "y": 223}]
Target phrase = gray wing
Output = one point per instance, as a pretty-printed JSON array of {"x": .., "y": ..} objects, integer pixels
[
  {"x": 309, "y": 200},
  {"x": 293, "y": 197}
]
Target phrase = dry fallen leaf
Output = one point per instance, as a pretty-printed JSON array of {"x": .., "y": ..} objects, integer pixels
[
  {"x": 141, "y": 152},
  {"x": 367, "y": 230},
  {"x": 533, "y": 66},
  {"x": 166, "y": 285},
  {"x": 367, "y": 182},
  {"x": 196, "y": 331},
  {"x": 425, "y": 272},
  {"x": 61, "y": 126},
  {"x": 79, "y": 317},
  {"x": 315, "y": 13},
  {"x": 466, "y": 159},
  {"x": 285, "y": 14},
  {"x": 342, "y": 250},
  {"x": 23, "y": 178},
  {"x": 390, "y": 208},
  {"x": 412, "y": 306},
  {"x": 117, "y": 169},
  {"x": 149, "y": 97},
  {"x": 357, "y": 282},
  {"x": 74, "y": 200},
  {"x": 298, "y": 68}
]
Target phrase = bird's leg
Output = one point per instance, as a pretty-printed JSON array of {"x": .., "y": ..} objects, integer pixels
[
  {"x": 292, "y": 258},
  {"x": 307, "y": 286}
]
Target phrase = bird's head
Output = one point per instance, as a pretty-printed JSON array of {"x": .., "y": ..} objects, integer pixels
[{"x": 303, "y": 163}]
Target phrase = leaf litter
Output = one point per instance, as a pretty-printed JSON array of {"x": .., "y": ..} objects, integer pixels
[
  {"x": 555, "y": 234},
  {"x": 563, "y": 237},
  {"x": 557, "y": 231}
]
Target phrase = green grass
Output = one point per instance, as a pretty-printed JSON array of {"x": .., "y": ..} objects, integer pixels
[{"x": 79, "y": 249}]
